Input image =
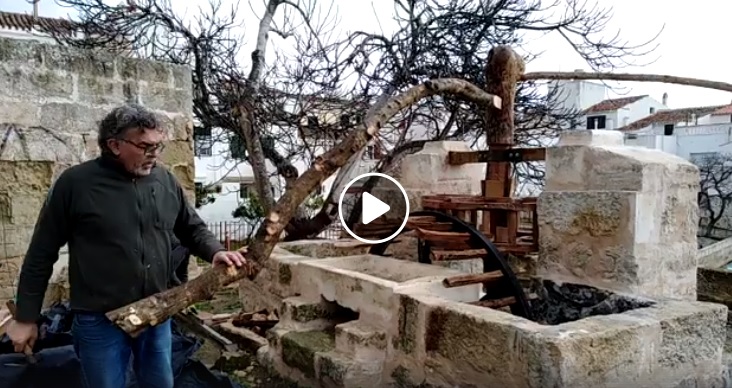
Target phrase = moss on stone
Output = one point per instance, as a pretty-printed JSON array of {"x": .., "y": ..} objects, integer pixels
[
  {"x": 408, "y": 316},
  {"x": 299, "y": 348},
  {"x": 331, "y": 371},
  {"x": 284, "y": 274}
]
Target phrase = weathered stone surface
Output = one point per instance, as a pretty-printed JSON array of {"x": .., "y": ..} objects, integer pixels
[
  {"x": 51, "y": 101},
  {"x": 618, "y": 217}
]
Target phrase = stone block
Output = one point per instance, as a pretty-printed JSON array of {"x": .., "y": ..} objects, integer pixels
[
  {"x": 14, "y": 239},
  {"x": 272, "y": 285},
  {"x": 161, "y": 96},
  {"x": 339, "y": 370},
  {"x": 177, "y": 126},
  {"x": 42, "y": 144},
  {"x": 302, "y": 310},
  {"x": 140, "y": 69},
  {"x": 177, "y": 152},
  {"x": 35, "y": 84},
  {"x": 361, "y": 340},
  {"x": 91, "y": 63},
  {"x": 300, "y": 348},
  {"x": 15, "y": 52},
  {"x": 17, "y": 114},
  {"x": 9, "y": 271},
  {"x": 428, "y": 168},
  {"x": 105, "y": 91},
  {"x": 71, "y": 117},
  {"x": 25, "y": 176},
  {"x": 618, "y": 217},
  {"x": 324, "y": 248}
]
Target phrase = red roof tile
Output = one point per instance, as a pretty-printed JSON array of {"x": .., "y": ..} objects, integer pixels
[
  {"x": 670, "y": 116},
  {"x": 613, "y": 104},
  {"x": 726, "y": 110},
  {"x": 25, "y": 22}
]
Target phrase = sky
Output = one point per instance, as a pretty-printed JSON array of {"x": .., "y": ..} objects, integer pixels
[{"x": 692, "y": 43}]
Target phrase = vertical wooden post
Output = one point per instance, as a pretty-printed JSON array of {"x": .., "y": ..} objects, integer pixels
[{"x": 502, "y": 72}]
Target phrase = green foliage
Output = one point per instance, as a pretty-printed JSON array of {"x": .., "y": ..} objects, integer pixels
[
  {"x": 250, "y": 208},
  {"x": 204, "y": 195},
  {"x": 314, "y": 202}
]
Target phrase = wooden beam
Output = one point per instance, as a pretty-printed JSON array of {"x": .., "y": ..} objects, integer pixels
[
  {"x": 512, "y": 155},
  {"x": 475, "y": 278}
]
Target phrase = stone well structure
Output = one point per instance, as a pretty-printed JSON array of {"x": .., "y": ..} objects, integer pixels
[
  {"x": 624, "y": 316},
  {"x": 51, "y": 98}
]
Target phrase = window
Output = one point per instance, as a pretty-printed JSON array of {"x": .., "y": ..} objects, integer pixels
[
  {"x": 668, "y": 130},
  {"x": 245, "y": 190},
  {"x": 313, "y": 122},
  {"x": 345, "y": 121},
  {"x": 652, "y": 110},
  {"x": 202, "y": 142},
  {"x": 596, "y": 122},
  {"x": 236, "y": 148}
]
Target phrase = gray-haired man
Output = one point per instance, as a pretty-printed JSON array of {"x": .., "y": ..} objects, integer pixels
[{"x": 116, "y": 213}]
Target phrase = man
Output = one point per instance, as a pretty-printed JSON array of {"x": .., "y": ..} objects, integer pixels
[{"x": 116, "y": 213}]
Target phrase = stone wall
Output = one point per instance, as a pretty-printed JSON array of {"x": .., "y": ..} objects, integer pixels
[{"x": 51, "y": 99}]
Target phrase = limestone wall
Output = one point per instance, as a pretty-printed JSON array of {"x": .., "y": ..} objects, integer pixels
[{"x": 51, "y": 99}]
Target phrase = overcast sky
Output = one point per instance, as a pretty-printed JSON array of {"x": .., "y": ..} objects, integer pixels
[{"x": 693, "y": 42}]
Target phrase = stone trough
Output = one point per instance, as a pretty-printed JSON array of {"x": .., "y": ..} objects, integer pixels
[
  {"x": 372, "y": 321},
  {"x": 614, "y": 295}
]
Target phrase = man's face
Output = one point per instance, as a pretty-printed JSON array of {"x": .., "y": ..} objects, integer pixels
[{"x": 138, "y": 150}]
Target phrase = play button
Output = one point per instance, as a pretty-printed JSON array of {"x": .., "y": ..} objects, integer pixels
[
  {"x": 384, "y": 208},
  {"x": 372, "y": 208}
]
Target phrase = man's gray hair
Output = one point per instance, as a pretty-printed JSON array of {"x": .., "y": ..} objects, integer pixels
[{"x": 122, "y": 119}]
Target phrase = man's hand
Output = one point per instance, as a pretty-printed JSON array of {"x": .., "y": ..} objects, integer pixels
[
  {"x": 229, "y": 258},
  {"x": 22, "y": 334}
]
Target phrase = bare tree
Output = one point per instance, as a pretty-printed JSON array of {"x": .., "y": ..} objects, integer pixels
[
  {"x": 452, "y": 38},
  {"x": 251, "y": 114},
  {"x": 715, "y": 197}
]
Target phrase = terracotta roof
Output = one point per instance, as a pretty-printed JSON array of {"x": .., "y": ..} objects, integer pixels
[
  {"x": 726, "y": 110},
  {"x": 671, "y": 116},
  {"x": 25, "y": 22},
  {"x": 613, "y": 104}
]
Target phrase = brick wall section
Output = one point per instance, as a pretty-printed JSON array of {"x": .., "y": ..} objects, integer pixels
[{"x": 51, "y": 99}]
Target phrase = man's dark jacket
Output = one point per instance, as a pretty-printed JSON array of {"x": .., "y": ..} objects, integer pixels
[{"x": 118, "y": 229}]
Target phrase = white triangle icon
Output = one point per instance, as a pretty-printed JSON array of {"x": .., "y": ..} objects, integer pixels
[{"x": 372, "y": 208}]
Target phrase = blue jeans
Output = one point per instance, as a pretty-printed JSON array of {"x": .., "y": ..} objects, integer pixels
[{"x": 104, "y": 352}]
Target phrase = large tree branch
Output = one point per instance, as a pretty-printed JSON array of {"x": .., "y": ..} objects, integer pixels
[
  {"x": 669, "y": 79},
  {"x": 157, "y": 308}
]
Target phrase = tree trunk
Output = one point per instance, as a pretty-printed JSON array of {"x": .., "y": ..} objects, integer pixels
[{"x": 157, "y": 308}]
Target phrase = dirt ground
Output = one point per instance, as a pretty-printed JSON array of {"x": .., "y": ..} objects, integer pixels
[{"x": 242, "y": 365}]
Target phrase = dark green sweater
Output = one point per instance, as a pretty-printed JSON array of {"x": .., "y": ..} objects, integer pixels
[{"x": 118, "y": 231}]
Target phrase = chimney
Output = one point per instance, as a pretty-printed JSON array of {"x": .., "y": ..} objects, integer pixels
[
  {"x": 35, "y": 8},
  {"x": 664, "y": 99}
]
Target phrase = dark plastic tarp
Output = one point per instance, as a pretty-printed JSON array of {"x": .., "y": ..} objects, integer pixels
[{"x": 58, "y": 367}]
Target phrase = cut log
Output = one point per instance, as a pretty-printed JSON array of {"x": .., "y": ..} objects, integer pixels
[
  {"x": 137, "y": 316},
  {"x": 464, "y": 280}
]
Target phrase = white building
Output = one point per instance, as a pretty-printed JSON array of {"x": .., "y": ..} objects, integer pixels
[
  {"x": 597, "y": 110},
  {"x": 691, "y": 133}
]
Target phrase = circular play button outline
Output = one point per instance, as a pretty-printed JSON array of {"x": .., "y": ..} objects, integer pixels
[{"x": 343, "y": 194}]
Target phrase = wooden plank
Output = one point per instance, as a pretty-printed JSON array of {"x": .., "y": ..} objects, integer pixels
[
  {"x": 476, "y": 278},
  {"x": 442, "y": 255},
  {"x": 502, "y": 302},
  {"x": 193, "y": 324},
  {"x": 245, "y": 338},
  {"x": 513, "y": 155}
]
